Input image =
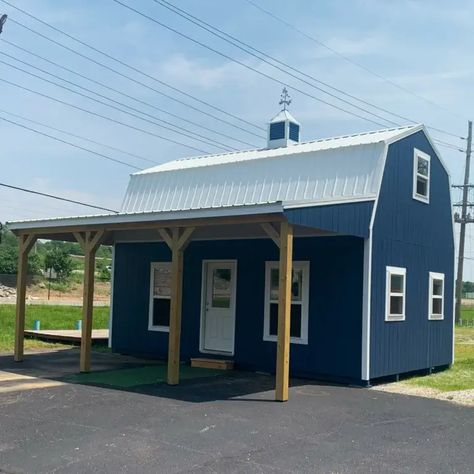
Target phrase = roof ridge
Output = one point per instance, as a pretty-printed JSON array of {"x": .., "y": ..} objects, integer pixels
[{"x": 296, "y": 145}]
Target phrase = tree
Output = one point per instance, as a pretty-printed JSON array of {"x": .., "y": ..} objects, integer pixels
[
  {"x": 60, "y": 261},
  {"x": 9, "y": 261}
]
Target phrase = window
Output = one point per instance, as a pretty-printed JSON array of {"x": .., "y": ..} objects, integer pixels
[
  {"x": 421, "y": 176},
  {"x": 395, "y": 294},
  {"x": 294, "y": 132},
  {"x": 299, "y": 302},
  {"x": 436, "y": 301},
  {"x": 160, "y": 297},
  {"x": 277, "y": 130}
]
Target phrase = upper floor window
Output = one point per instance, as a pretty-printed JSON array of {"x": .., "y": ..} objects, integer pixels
[
  {"x": 436, "y": 301},
  {"x": 421, "y": 176},
  {"x": 299, "y": 302},
  {"x": 160, "y": 297},
  {"x": 395, "y": 294}
]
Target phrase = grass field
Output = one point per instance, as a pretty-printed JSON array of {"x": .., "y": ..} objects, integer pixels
[
  {"x": 51, "y": 317},
  {"x": 461, "y": 375}
]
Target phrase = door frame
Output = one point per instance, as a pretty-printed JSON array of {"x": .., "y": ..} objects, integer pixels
[{"x": 205, "y": 263}]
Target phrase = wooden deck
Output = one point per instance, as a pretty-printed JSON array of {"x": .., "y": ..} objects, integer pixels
[{"x": 67, "y": 335}]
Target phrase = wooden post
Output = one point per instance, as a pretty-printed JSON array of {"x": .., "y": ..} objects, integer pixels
[
  {"x": 25, "y": 242},
  {"x": 284, "y": 311},
  {"x": 89, "y": 242},
  {"x": 177, "y": 243}
]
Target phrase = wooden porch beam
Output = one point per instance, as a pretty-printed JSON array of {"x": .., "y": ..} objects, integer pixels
[
  {"x": 89, "y": 242},
  {"x": 284, "y": 311},
  {"x": 166, "y": 237},
  {"x": 271, "y": 232},
  {"x": 175, "y": 309},
  {"x": 150, "y": 225},
  {"x": 25, "y": 243}
]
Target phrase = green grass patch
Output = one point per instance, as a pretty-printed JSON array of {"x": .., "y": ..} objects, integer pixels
[
  {"x": 134, "y": 377},
  {"x": 461, "y": 375},
  {"x": 51, "y": 317},
  {"x": 467, "y": 315}
]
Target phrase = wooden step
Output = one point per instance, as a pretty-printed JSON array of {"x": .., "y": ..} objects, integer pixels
[{"x": 220, "y": 364}]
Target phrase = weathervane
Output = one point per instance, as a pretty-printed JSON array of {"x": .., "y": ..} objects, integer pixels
[{"x": 285, "y": 98}]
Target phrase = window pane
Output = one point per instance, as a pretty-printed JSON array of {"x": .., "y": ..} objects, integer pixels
[
  {"x": 295, "y": 328},
  {"x": 423, "y": 166},
  {"x": 396, "y": 305},
  {"x": 162, "y": 281},
  {"x": 296, "y": 284},
  {"x": 221, "y": 288},
  {"x": 274, "y": 284},
  {"x": 437, "y": 306},
  {"x": 161, "y": 312},
  {"x": 421, "y": 186},
  {"x": 438, "y": 287},
  {"x": 273, "y": 319},
  {"x": 396, "y": 283},
  {"x": 295, "y": 325}
]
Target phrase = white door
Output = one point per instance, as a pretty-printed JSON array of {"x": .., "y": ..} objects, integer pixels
[{"x": 219, "y": 307}]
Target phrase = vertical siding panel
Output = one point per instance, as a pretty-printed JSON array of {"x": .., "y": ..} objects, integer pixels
[
  {"x": 335, "y": 323},
  {"x": 418, "y": 237}
]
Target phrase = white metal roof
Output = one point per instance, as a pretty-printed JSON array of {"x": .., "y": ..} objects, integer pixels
[
  {"x": 318, "y": 172},
  {"x": 332, "y": 170}
]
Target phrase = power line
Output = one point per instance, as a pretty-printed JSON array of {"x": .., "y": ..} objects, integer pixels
[
  {"x": 220, "y": 53},
  {"x": 233, "y": 40},
  {"x": 346, "y": 58},
  {"x": 76, "y": 136},
  {"x": 68, "y": 143},
  {"x": 115, "y": 71},
  {"x": 181, "y": 130},
  {"x": 101, "y": 116},
  {"x": 108, "y": 87},
  {"x": 59, "y": 198},
  {"x": 128, "y": 66}
]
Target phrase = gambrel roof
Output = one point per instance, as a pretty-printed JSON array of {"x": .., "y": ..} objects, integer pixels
[
  {"x": 331, "y": 170},
  {"x": 328, "y": 171}
]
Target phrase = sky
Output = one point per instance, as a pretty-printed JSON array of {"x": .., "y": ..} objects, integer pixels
[{"x": 423, "y": 47}]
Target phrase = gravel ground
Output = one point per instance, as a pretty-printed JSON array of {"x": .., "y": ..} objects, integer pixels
[{"x": 461, "y": 397}]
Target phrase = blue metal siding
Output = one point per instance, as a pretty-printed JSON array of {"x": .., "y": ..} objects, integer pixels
[
  {"x": 419, "y": 237},
  {"x": 335, "y": 306},
  {"x": 351, "y": 219}
]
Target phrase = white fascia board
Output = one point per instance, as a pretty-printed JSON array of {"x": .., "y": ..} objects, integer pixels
[
  {"x": 416, "y": 129},
  {"x": 270, "y": 208},
  {"x": 350, "y": 200}
]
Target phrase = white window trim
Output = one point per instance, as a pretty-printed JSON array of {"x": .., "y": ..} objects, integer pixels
[
  {"x": 151, "y": 327},
  {"x": 431, "y": 316},
  {"x": 389, "y": 272},
  {"x": 420, "y": 154},
  {"x": 303, "y": 265}
]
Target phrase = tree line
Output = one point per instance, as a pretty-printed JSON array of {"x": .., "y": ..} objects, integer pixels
[{"x": 46, "y": 255}]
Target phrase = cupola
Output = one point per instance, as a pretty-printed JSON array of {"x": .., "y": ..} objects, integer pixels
[{"x": 283, "y": 129}]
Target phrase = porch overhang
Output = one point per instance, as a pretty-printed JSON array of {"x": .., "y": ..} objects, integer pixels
[{"x": 176, "y": 229}]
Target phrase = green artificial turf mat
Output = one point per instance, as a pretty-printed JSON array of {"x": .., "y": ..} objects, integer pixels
[{"x": 149, "y": 374}]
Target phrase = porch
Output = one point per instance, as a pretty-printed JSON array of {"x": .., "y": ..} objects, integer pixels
[{"x": 267, "y": 222}]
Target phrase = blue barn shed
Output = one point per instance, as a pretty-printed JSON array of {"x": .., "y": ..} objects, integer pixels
[{"x": 330, "y": 259}]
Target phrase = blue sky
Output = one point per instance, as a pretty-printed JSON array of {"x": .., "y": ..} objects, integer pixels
[{"x": 423, "y": 46}]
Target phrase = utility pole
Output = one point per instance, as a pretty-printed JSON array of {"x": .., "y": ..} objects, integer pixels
[{"x": 464, "y": 219}]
